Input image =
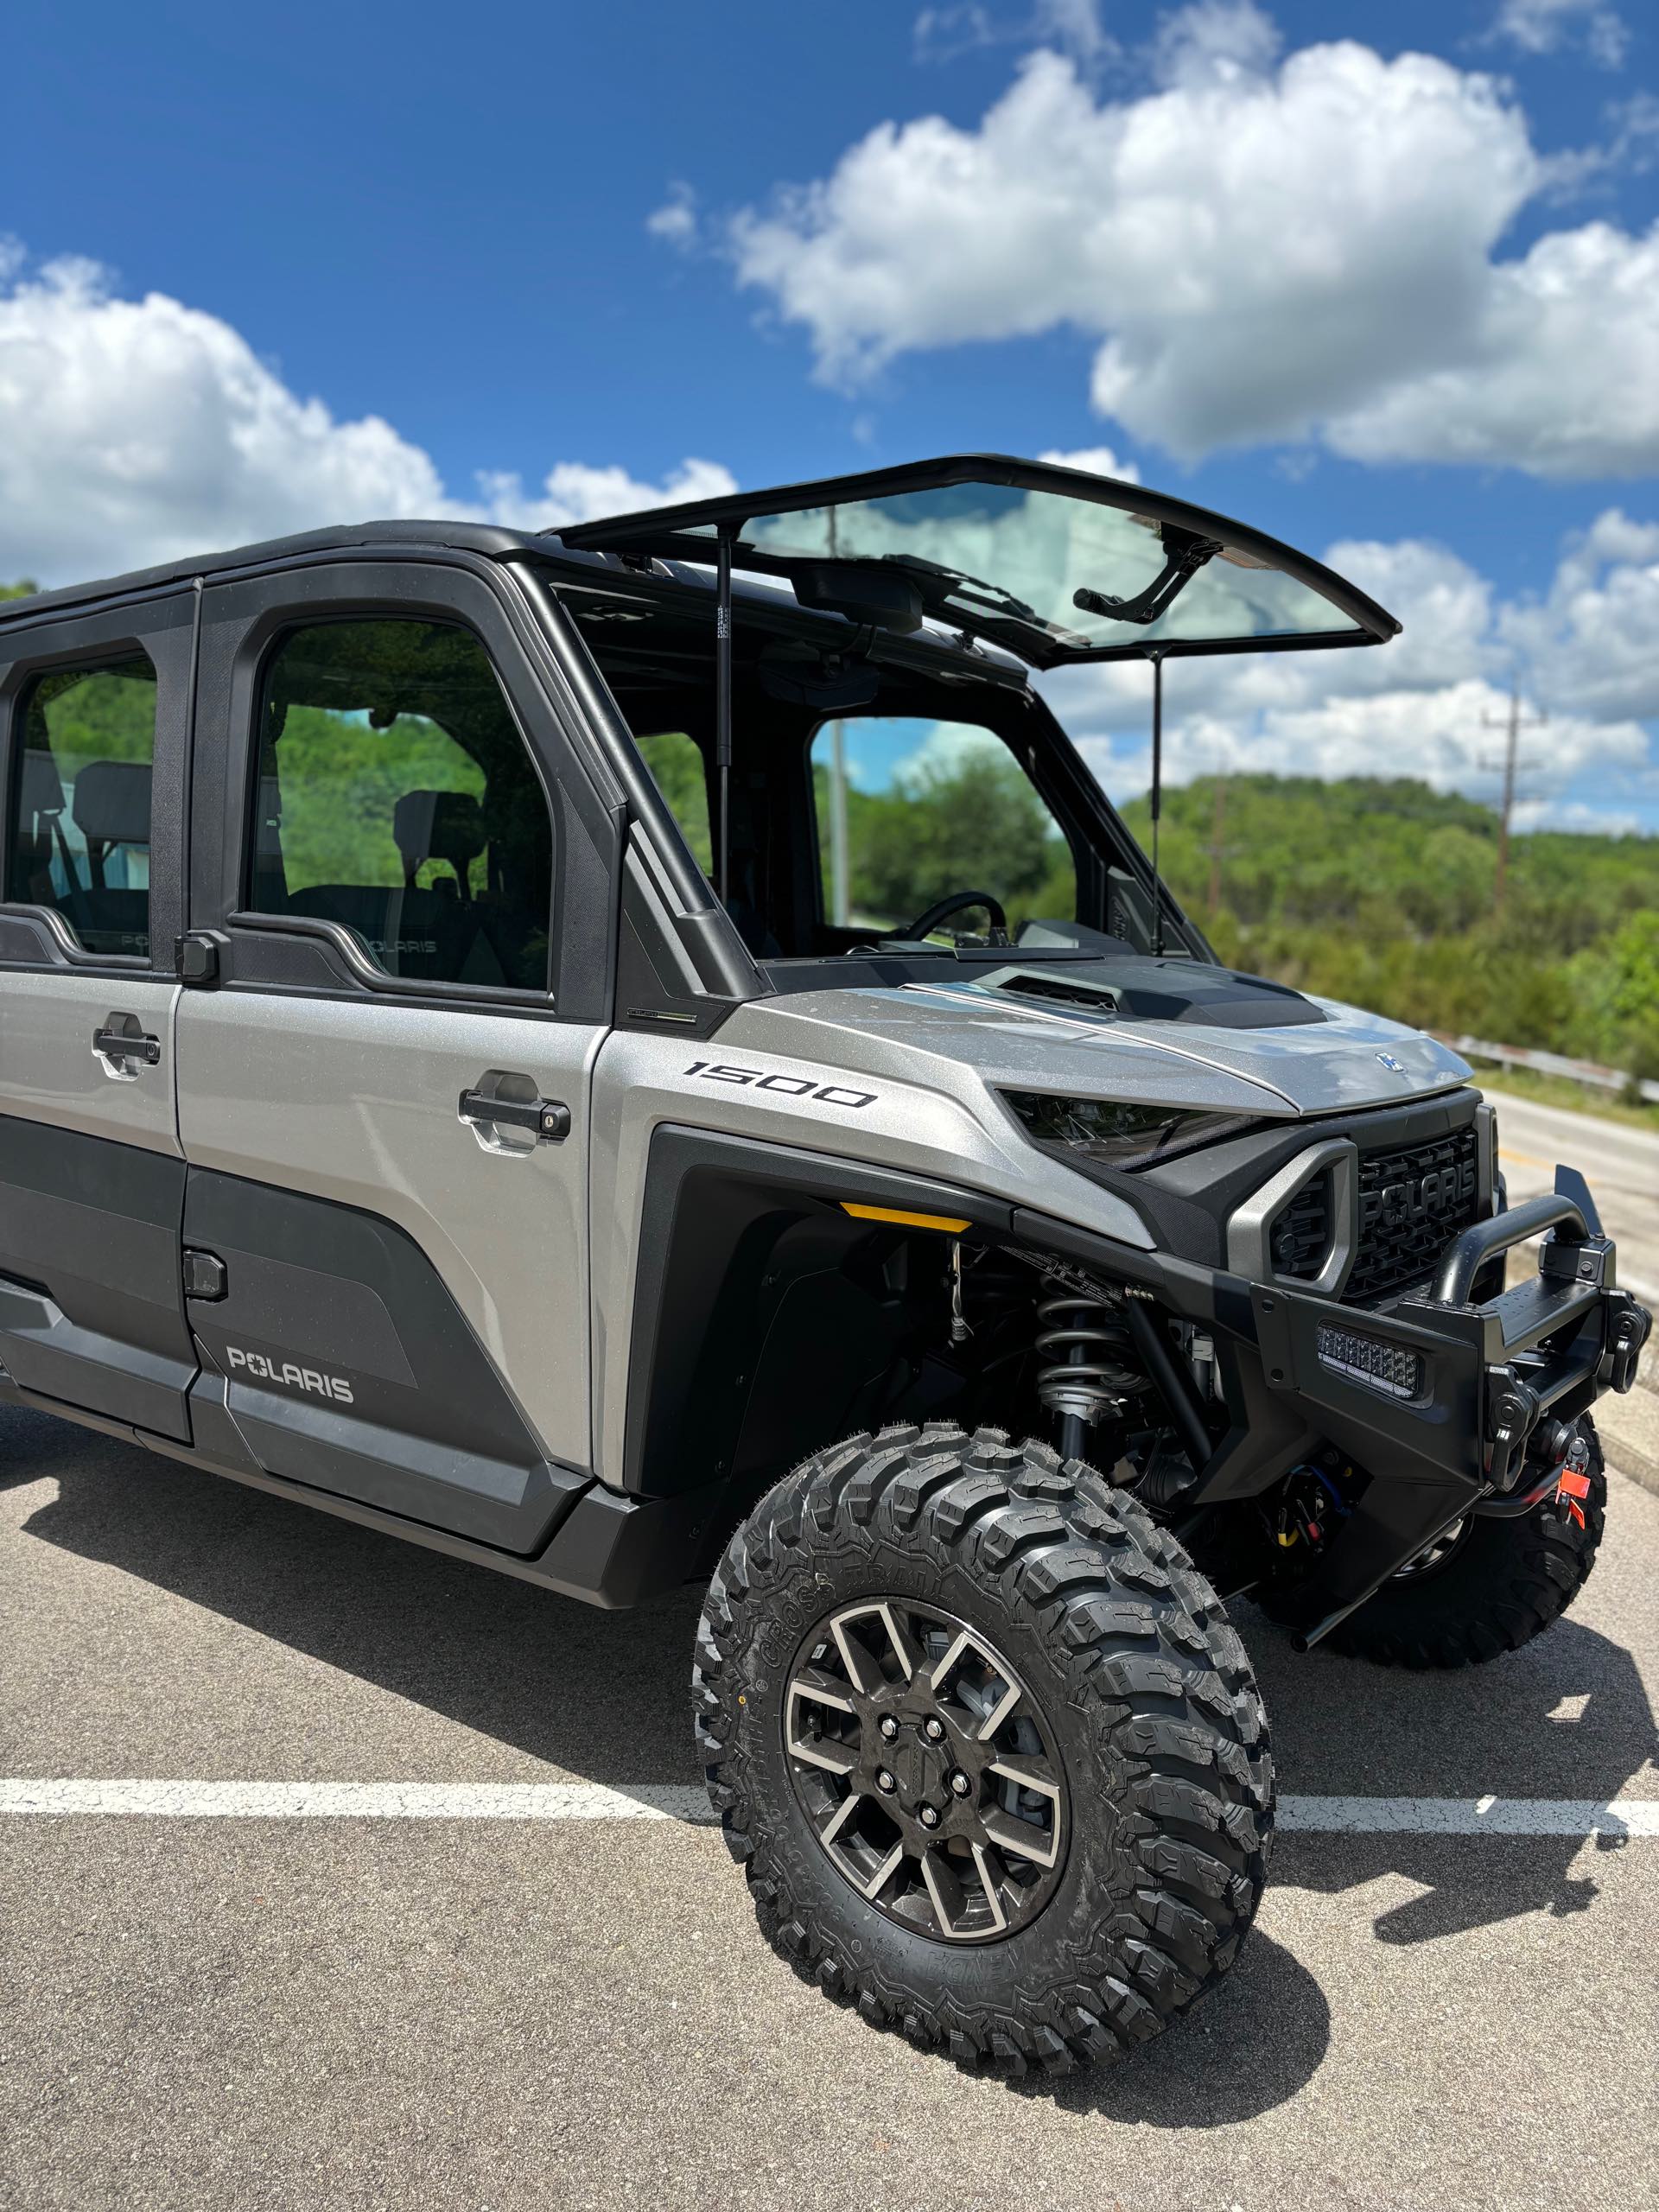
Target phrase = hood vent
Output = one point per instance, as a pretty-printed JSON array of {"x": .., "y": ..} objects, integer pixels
[
  {"x": 1136, "y": 988},
  {"x": 1062, "y": 990}
]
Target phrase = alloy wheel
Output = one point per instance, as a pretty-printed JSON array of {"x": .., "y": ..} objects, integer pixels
[{"x": 927, "y": 1768}]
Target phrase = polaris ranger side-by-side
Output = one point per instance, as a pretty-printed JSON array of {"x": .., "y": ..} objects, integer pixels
[{"x": 643, "y": 1054}]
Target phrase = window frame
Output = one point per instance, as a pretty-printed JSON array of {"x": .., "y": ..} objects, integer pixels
[
  {"x": 245, "y": 617},
  {"x": 427, "y": 985},
  {"x": 158, "y": 627}
]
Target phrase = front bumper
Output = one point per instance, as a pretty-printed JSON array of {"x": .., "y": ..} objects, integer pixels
[
  {"x": 1452, "y": 1403},
  {"x": 1453, "y": 1387}
]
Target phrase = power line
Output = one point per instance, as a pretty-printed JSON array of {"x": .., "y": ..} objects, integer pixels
[{"x": 1511, "y": 723}]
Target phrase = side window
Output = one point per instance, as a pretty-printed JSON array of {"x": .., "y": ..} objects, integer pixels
[
  {"x": 78, "y": 826},
  {"x": 909, "y": 811},
  {"x": 395, "y": 797},
  {"x": 676, "y": 767}
]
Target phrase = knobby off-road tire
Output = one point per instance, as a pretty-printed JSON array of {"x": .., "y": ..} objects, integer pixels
[
  {"x": 1140, "y": 1690},
  {"x": 1501, "y": 1583}
]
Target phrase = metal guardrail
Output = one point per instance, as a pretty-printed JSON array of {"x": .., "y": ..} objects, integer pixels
[{"x": 1590, "y": 1072}]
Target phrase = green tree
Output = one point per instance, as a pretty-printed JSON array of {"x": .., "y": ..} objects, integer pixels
[{"x": 970, "y": 823}]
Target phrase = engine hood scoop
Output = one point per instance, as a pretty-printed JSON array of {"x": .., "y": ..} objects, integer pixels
[{"x": 1147, "y": 990}]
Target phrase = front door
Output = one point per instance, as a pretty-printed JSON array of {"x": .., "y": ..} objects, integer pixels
[
  {"x": 383, "y": 1095},
  {"x": 93, "y": 714}
]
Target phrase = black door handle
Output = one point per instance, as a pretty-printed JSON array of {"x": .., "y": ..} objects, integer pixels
[
  {"x": 125, "y": 1045},
  {"x": 549, "y": 1119}
]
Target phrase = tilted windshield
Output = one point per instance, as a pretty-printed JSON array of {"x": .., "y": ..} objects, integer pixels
[
  {"x": 984, "y": 554},
  {"x": 1053, "y": 563}
]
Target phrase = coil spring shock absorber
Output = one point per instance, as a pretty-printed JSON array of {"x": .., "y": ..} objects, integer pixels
[{"x": 1089, "y": 1365}]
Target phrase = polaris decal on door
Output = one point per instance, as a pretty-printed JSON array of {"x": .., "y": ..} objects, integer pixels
[{"x": 290, "y": 1376}]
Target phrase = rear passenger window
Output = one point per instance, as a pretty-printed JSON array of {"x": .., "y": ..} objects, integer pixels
[
  {"x": 396, "y": 797},
  {"x": 79, "y": 824}
]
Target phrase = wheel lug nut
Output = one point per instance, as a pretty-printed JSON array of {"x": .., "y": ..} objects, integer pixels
[
  {"x": 933, "y": 1729},
  {"x": 889, "y": 1726},
  {"x": 960, "y": 1784},
  {"x": 929, "y": 1817},
  {"x": 885, "y": 1781}
]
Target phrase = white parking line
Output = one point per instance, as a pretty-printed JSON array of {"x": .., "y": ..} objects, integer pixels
[
  {"x": 363, "y": 1800},
  {"x": 667, "y": 1801},
  {"x": 1627, "y": 1816}
]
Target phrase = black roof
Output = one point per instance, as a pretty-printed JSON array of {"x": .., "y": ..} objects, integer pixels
[{"x": 486, "y": 538}]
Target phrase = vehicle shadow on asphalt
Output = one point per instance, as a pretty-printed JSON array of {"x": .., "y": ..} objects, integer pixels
[{"x": 606, "y": 1697}]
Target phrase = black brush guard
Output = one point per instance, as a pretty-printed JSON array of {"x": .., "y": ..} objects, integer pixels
[{"x": 1449, "y": 1399}]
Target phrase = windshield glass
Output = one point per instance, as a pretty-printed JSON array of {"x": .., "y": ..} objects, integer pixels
[
  {"x": 912, "y": 812},
  {"x": 1056, "y": 568}
]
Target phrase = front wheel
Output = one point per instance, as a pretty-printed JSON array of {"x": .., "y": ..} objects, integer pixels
[
  {"x": 986, "y": 1746},
  {"x": 1489, "y": 1585}
]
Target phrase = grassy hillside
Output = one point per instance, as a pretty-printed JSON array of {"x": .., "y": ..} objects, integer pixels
[{"x": 1383, "y": 892}]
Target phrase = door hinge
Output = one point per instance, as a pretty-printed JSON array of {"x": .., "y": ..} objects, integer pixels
[
  {"x": 195, "y": 957},
  {"x": 203, "y": 1274}
]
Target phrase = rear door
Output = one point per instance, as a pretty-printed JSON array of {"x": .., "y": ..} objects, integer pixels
[
  {"x": 408, "y": 872},
  {"x": 93, "y": 717}
]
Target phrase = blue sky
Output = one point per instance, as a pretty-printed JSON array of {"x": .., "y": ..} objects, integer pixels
[{"x": 405, "y": 259}]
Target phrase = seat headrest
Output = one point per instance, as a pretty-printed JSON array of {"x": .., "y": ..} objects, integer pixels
[
  {"x": 111, "y": 805},
  {"x": 41, "y": 790},
  {"x": 439, "y": 826}
]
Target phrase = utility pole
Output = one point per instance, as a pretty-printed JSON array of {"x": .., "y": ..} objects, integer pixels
[
  {"x": 1511, "y": 723},
  {"x": 1217, "y": 849},
  {"x": 839, "y": 896}
]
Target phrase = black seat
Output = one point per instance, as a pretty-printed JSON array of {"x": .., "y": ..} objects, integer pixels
[
  {"x": 436, "y": 934},
  {"x": 110, "y": 806}
]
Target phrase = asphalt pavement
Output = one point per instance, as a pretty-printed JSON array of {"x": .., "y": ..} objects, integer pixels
[
  {"x": 486, "y": 2012},
  {"x": 1621, "y": 1164}
]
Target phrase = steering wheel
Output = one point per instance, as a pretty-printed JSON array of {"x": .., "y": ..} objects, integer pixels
[{"x": 952, "y": 904}]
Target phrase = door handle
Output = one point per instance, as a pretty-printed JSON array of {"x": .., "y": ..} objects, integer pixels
[
  {"x": 126, "y": 1044},
  {"x": 548, "y": 1120}
]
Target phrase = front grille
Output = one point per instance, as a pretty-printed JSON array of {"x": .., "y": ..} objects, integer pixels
[
  {"x": 1411, "y": 1204},
  {"x": 1301, "y": 1232}
]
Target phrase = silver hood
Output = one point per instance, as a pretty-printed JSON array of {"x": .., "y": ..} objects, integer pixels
[{"x": 1329, "y": 1059}]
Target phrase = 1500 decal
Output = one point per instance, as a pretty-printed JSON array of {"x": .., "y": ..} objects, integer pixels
[{"x": 789, "y": 1086}]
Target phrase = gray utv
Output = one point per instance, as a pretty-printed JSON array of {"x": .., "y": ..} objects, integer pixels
[{"x": 645, "y": 1055}]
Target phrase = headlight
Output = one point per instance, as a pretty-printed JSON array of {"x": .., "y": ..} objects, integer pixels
[{"x": 1113, "y": 1133}]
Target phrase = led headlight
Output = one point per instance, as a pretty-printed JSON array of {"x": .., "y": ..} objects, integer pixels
[{"x": 1112, "y": 1132}]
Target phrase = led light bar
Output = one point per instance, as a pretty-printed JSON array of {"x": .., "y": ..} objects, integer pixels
[{"x": 1392, "y": 1368}]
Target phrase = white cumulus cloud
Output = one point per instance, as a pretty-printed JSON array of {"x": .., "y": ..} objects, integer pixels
[
  {"x": 1545, "y": 26},
  {"x": 1095, "y": 460},
  {"x": 1299, "y": 249},
  {"x": 573, "y": 492},
  {"x": 133, "y": 431},
  {"x": 1431, "y": 703}
]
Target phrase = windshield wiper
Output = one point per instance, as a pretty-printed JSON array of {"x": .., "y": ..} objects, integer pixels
[{"x": 1186, "y": 553}]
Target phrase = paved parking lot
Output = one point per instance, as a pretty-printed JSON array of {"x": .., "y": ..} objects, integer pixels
[{"x": 223, "y": 2012}]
